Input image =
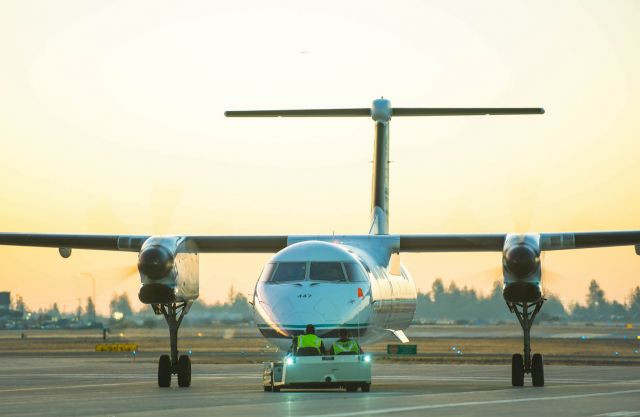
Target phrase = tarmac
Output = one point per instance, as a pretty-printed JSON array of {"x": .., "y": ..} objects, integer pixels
[{"x": 116, "y": 385}]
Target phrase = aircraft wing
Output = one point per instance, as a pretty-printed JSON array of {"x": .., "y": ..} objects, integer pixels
[
  {"x": 272, "y": 244},
  {"x": 452, "y": 243},
  {"x": 584, "y": 240},
  {"x": 239, "y": 244},
  {"x": 133, "y": 243},
  {"x": 495, "y": 242}
]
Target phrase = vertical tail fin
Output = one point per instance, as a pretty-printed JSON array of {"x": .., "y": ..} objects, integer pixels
[{"x": 381, "y": 113}]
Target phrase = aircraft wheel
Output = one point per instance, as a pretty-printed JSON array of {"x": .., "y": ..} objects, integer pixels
[
  {"x": 164, "y": 371},
  {"x": 366, "y": 387},
  {"x": 184, "y": 371},
  {"x": 537, "y": 370},
  {"x": 517, "y": 370}
]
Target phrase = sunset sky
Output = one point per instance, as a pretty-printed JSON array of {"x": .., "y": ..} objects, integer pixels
[{"x": 111, "y": 121}]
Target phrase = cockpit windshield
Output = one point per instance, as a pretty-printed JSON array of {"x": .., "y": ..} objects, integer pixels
[
  {"x": 267, "y": 272},
  {"x": 281, "y": 272},
  {"x": 355, "y": 272},
  {"x": 289, "y": 271},
  {"x": 326, "y": 271}
]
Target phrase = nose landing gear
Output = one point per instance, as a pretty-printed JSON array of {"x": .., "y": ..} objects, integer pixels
[
  {"x": 527, "y": 364},
  {"x": 173, "y": 365}
]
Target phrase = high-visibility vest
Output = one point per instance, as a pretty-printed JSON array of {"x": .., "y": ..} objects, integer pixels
[
  {"x": 309, "y": 341},
  {"x": 345, "y": 346}
]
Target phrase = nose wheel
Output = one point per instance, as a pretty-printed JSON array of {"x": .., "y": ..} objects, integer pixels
[
  {"x": 164, "y": 371},
  {"x": 526, "y": 364},
  {"x": 184, "y": 371},
  {"x": 537, "y": 370},
  {"x": 173, "y": 364}
]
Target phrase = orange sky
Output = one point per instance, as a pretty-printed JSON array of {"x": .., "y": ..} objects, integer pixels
[{"x": 111, "y": 122}]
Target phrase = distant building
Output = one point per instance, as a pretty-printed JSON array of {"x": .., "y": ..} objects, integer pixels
[{"x": 5, "y": 300}]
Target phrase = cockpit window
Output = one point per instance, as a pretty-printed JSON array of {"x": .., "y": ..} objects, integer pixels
[
  {"x": 355, "y": 272},
  {"x": 326, "y": 271},
  {"x": 289, "y": 271},
  {"x": 279, "y": 272},
  {"x": 267, "y": 272}
]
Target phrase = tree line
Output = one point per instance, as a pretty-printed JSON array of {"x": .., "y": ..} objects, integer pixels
[
  {"x": 454, "y": 303},
  {"x": 448, "y": 303}
]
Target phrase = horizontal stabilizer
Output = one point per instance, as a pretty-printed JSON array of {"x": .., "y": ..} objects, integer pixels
[
  {"x": 464, "y": 111},
  {"x": 397, "y": 111},
  {"x": 300, "y": 113}
]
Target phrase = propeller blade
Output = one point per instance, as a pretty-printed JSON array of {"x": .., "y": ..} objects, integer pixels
[
  {"x": 165, "y": 201},
  {"x": 523, "y": 213},
  {"x": 118, "y": 273},
  {"x": 549, "y": 275},
  {"x": 103, "y": 217}
]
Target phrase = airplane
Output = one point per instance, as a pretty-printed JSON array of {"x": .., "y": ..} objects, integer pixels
[{"x": 356, "y": 282}]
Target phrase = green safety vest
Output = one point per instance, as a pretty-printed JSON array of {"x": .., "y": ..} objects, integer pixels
[
  {"x": 309, "y": 340},
  {"x": 345, "y": 346}
]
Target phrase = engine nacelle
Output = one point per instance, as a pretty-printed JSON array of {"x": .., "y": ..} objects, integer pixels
[
  {"x": 521, "y": 268},
  {"x": 169, "y": 270}
]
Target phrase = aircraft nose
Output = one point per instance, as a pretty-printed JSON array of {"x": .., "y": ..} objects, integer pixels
[{"x": 326, "y": 306}]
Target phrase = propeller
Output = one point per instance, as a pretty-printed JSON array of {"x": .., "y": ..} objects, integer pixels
[
  {"x": 524, "y": 199},
  {"x": 549, "y": 275},
  {"x": 118, "y": 273},
  {"x": 164, "y": 200},
  {"x": 524, "y": 202}
]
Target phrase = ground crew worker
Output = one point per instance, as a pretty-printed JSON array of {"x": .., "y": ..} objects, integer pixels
[
  {"x": 344, "y": 345},
  {"x": 308, "y": 344}
]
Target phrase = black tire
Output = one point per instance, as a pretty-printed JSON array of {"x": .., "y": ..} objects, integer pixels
[
  {"x": 164, "y": 371},
  {"x": 351, "y": 387},
  {"x": 267, "y": 388},
  {"x": 517, "y": 370},
  {"x": 366, "y": 387},
  {"x": 537, "y": 370},
  {"x": 184, "y": 371}
]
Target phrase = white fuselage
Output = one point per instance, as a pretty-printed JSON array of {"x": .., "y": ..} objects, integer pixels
[{"x": 353, "y": 284}]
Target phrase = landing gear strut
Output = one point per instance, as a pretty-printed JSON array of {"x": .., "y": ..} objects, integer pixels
[
  {"x": 528, "y": 364},
  {"x": 172, "y": 365}
]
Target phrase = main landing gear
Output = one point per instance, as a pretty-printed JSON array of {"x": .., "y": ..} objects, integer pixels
[
  {"x": 528, "y": 364},
  {"x": 172, "y": 365}
]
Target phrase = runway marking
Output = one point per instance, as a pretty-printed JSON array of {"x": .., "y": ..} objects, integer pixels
[
  {"x": 124, "y": 376},
  {"x": 475, "y": 403},
  {"x": 486, "y": 379},
  {"x": 71, "y": 386}
]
